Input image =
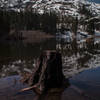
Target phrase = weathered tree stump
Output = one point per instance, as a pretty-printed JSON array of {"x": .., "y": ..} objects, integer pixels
[{"x": 47, "y": 73}]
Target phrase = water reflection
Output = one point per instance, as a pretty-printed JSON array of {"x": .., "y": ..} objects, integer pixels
[
  {"x": 18, "y": 56},
  {"x": 15, "y": 58},
  {"x": 79, "y": 55},
  {"x": 53, "y": 93},
  {"x": 10, "y": 87}
]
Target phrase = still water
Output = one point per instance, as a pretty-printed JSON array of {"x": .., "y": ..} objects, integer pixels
[
  {"x": 17, "y": 56},
  {"x": 81, "y": 60}
]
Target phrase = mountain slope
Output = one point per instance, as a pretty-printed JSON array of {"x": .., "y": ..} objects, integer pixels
[{"x": 68, "y": 7}]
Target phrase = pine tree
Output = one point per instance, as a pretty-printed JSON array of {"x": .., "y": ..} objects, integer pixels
[{"x": 4, "y": 23}]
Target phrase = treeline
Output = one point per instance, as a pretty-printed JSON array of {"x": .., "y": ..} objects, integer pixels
[
  {"x": 4, "y": 23},
  {"x": 49, "y": 22},
  {"x": 27, "y": 20}
]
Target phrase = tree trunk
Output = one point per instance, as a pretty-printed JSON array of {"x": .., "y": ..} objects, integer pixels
[{"x": 47, "y": 73}]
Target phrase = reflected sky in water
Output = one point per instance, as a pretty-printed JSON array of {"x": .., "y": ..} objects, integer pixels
[{"x": 89, "y": 82}]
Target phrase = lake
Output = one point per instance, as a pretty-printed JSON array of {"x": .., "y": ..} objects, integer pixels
[{"x": 81, "y": 60}]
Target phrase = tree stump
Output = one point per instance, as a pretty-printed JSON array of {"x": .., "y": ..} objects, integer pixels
[{"x": 47, "y": 73}]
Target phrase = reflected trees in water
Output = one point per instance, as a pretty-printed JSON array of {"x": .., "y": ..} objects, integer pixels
[{"x": 78, "y": 55}]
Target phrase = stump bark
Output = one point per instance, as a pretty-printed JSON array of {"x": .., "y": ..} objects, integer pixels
[{"x": 47, "y": 73}]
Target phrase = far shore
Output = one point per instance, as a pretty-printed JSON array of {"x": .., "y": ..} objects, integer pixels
[
  {"x": 35, "y": 36},
  {"x": 30, "y": 36}
]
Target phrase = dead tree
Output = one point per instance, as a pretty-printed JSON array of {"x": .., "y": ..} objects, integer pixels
[{"x": 47, "y": 74}]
